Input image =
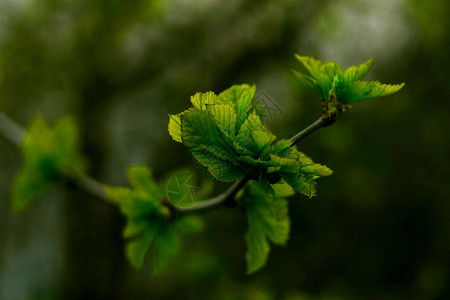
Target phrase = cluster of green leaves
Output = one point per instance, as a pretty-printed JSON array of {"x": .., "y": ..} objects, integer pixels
[
  {"x": 340, "y": 88},
  {"x": 150, "y": 223},
  {"x": 225, "y": 133},
  {"x": 268, "y": 219},
  {"x": 50, "y": 156}
]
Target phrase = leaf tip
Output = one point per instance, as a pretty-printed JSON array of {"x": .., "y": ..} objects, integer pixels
[{"x": 174, "y": 128}]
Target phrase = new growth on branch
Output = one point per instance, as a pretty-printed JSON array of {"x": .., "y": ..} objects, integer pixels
[{"x": 225, "y": 133}]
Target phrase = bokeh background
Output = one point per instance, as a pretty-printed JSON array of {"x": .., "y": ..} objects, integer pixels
[{"x": 379, "y": 227}]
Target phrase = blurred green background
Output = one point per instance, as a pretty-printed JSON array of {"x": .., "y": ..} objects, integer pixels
[{"x": 379, "y": 227}]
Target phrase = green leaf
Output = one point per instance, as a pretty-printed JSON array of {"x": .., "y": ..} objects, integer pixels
[
  {"x": 175, "y": 128},
  {"x": 219, "y": 164},
  {"x": 356, "y": 73},
  {"x": 243, "y": 98},
  {"x": 301, "y": 184},
  {"x": 241, "y": 150},
  {"x": 164, "y": 241},
  {"x": 328, "y": 80},
  {"x": 137, "y": 249},
  {"x": 283, "y": 190},
  {"x": 135, "y": 227},
  {"x": 299, "y": 171},
  {"x": 280, "y": 148},
  {"x": 218, "y": 130},
  {"x": 149, "y": 227},
  {"x": 141, "y": 178},
  {"x": 201, "y": 100},
  {"x": 317, "y": 170},
  {"x": 200, "y": 128},
  {"x": 332, "y": 69},
  {"x": 253, "y": 135},
  {"x": 309, "y": 82},
  {"x": 166, "y": 246},
  {"x": 225, "y": 172},
  {"x": 319, "y": 75},
  {"x": 26, "y": 187},
  {"x": 362, "y": 90},
  {"x": 225, "y": 116},
  {"x": 268, "y": 220},
  {"x": 50, "y": 156},
  {"x": 226, "y": 134},
  {"x": 286, "y": 164}
]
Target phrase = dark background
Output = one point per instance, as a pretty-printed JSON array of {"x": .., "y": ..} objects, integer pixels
[{"x": 379, "y": 227}]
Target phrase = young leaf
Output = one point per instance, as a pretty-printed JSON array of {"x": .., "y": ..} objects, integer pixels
[
  {"x": 149, "y": 224},
  {"x": 243, "y": 98},
  {"x": 175, "y": 128},
  {"x": 328, "y": 80},
  {"x": 166, "y": 246},
  {"x": 356, "y": 73},
  {"x": 226, "y": 134},
  {"x": 50, "y": 155},
  {"x": 268, "y": 220},
  {"x": 200, "y": 100},
  {"x": 137, "y": 249},
  {"x": 321, "y": 81},
  {"x": 225, "y": 116},
  {"x": 331, "y": 69},
  {"x": 362, "y": 90}
]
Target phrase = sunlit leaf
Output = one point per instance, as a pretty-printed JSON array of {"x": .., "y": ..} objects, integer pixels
[
  {"x": 362, "y": 90},
  {"x": 226, "y": 134},
  {"x": 356, "y": 73},
  {"x": 175, "y": 128},
  {"x": 329, "y": 79}
]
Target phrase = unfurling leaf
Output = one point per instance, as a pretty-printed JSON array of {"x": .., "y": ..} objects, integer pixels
[
  {"x": 329, "y": 80},
  {"x": 50, "y": 156}
]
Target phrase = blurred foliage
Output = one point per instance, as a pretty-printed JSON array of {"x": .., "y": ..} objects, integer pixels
[
  {"x": 379, "y": 228},
  {"x": 50, "y": 156},
  {"x": 149, "y": 220},
  {"x": 268, "y": 218}
]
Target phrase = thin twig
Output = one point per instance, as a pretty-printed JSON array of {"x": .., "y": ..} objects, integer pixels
[
  {"x": 321, "y": 122},
  {"x": 11, "y": 130},
  {"x": 16, "y": 134},
  {"x": 228, "y": 194},
  {"x": 93, "y": 187}
]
